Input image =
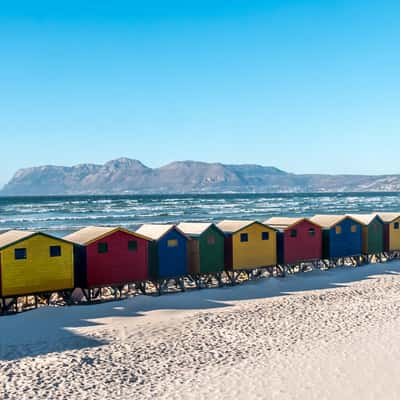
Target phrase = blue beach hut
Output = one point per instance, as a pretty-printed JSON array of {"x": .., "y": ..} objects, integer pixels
[
  {"x": 341, "y": 236},
  {"x": 168, "y": 252}
]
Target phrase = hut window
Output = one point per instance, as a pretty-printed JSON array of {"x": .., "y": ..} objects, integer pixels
[
  {"x": 265, "y": 235},
  {"x": 396, "y": 225},
  {"x": 244, "y": 237},
  {"x": 211, "y": 239},
  {"x": 354, "y": 228},
  {"x": 20, "y": 254},
  {"x": 132, "y": 245},
  {"x": 311, "y": 232},
  {"x": 55, "y": 251},
  {"x": 293, "y": 233},
  {"x": 172, "y": 243},
  {"x": 102, "y": 248},
  {"x": 338, "y": 230}
]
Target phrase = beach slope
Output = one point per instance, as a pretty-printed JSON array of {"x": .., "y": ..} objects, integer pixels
[{"x": 316, "y": 335}]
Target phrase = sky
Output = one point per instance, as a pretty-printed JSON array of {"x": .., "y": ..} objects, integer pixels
[{"x": 306, "y": 86}]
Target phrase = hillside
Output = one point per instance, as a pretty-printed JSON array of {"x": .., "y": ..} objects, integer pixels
[{"x": 131, "y": 176}]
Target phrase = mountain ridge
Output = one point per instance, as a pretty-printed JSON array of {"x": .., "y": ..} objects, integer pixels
[{"x": 130, "y": 176}]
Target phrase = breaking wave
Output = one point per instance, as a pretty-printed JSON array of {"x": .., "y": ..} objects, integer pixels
[{"x": 65, "y": 214}]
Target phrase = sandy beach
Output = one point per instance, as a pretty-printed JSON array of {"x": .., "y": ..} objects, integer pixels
[{"x": 316, "y": 335}]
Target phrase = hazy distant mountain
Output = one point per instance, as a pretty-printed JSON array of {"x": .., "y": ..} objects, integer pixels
[{"x": 131, "y": 176}]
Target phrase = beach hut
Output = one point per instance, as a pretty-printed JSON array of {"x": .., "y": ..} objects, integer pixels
[
  {"x": 391, "y": 231},
  {"x": 205, "y": 247},
  {"x": 342, "y": 236},
  {"x": 373, "y": 233},
  {"x": 109, "y": 256},
  {"x": 34, "y": 263},
  {"x": 248, "y": 245},
  {"x": 168, "y": 252},
  {"x": 299, "y": 239}
]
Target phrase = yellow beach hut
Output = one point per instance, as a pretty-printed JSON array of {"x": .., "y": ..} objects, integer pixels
[
  {"x": 33, "y": 263},
  {"x": 392, "y": 230},
  {"x": 248, "y": 244}
]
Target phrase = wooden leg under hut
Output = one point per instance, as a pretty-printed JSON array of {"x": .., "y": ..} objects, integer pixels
[
  {"x": 281, "y": 270},
  {"x": 66, "y": 295},
  {"x": 9, "y": 305},
  {"x": 141, "y": 287}
]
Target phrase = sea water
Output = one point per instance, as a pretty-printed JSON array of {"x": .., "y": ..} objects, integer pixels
[{"x": 62, "y": 215}]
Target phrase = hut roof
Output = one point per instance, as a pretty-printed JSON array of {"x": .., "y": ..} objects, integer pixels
[
  {"x": 328, "y": 220},
  {"x": 194, "y": 228},
  {"x": 90, "y": 234},
  {"x": 388, "y": 217},
  {"x": 285, "y": 222},
  {"x": 232, "y": 226},
  {"x": 157, "y": 231},
  {"x": 364, "y": 219},
  {"x": 13, "y": 236}
]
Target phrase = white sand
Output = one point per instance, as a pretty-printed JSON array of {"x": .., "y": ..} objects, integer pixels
[{"x": 317, "y": 335}]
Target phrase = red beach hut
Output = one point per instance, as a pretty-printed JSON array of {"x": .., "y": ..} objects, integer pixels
[
  {"x": 107, "y": 256},
  {"x": 299, "y": 239}
]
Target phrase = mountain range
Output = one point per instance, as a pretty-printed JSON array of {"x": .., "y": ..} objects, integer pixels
[{"x": 127, "y": 176}]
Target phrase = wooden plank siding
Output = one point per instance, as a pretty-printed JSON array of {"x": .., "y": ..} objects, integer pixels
[
  {"x": 206, "y": 247},
  {"x": 168, "y": 254},
  {"x": 194, "y": 256},
  {"x": 373, "y": 233},
  {"x": 392, "y": 231},
  {"x": 124, "y": 258},
  {"x": 394, "y": 235},
  {"x": 299, "y": 239},
  {"x": 211, "y": 244},
  {"x": 259, "y": 250},
  {"x": 38, "y": 272},
  {"x": 342, "y": 236}
]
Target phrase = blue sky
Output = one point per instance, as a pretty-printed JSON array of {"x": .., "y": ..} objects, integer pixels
[{"x": 307, "y": 86}]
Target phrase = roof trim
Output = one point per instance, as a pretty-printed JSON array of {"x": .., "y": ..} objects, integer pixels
[
  {"x": 306, "y": 220},
  {"x": 173, "y": 227},
  {"x": 397, "y": 217},
  {"x": 31, "y": 236},
  {"x": 338, "y": 221},
  {"x": 295, "y": 223},
  {"x": 211, "y": 225},
  {"x": 246, "y": 226},
  {"x": 373, "y": 216},
  {"x": 258, "y": 223},
  {"x": 111, "y": 232}
]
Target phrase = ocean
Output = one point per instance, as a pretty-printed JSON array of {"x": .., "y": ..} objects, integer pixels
[{"x": 64, "y": 214}]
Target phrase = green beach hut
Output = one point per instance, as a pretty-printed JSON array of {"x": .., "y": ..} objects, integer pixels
[
  {"x": 373, "y": 233},
  {"x": 205, "y": 247}
]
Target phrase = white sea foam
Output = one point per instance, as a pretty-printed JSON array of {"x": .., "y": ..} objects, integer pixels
[{"x": 67, "y": 213}]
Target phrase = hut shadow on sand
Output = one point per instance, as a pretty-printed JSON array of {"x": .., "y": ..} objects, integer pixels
[{"x": 50, "y": 329}]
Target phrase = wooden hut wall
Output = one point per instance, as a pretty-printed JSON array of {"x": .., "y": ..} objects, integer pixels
[
  {"x": 345, "y": 239},
  {"x": 256, "y": 251},
  {"x": 153, "y": 259},
  {"x": 193, "y": 246},
  {"x": 373, "y": 237},
  {"x": 306, "y": 245},
  {"x": 113, "y": 260},
  {"x": 228, "y": 252},
  {"x": 172, "y": 255},
  {"x": 326, "y": 245},
  {"x": 280, "y": 244},
  {"x": 394, "y": 235},
  {"x": 211, "y": 250},
  {"x": 40, "y": 270},
  {"x": 80, "y": 266}
]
